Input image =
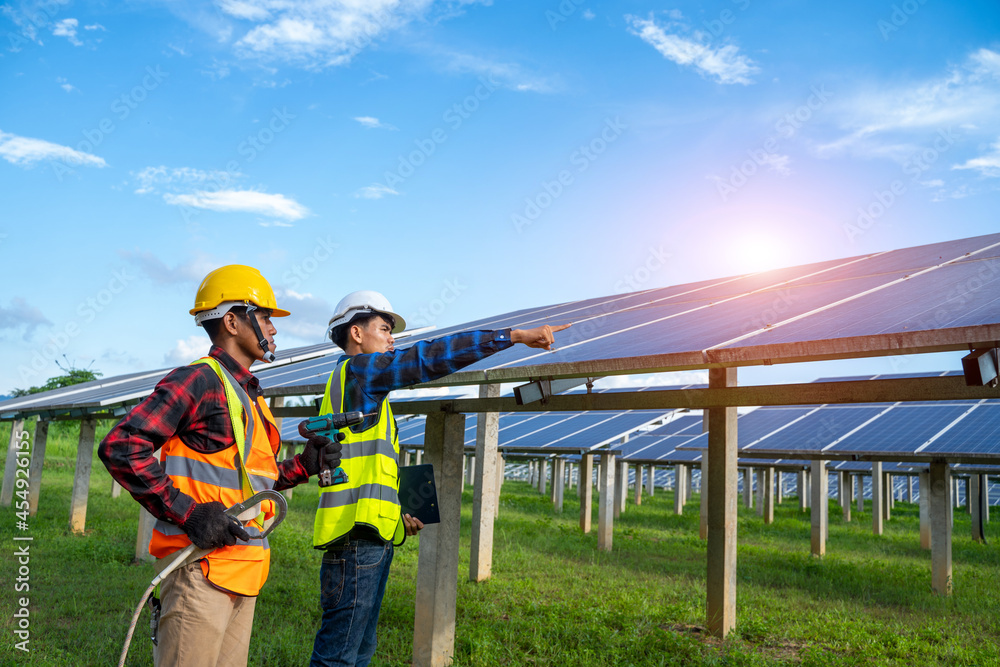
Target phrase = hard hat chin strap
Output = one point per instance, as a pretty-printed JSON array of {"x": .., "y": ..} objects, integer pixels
[{"x": 261, "y": 338}]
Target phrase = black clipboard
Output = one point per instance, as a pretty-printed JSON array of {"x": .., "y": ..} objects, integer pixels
[{"x": 418, "y": 494}]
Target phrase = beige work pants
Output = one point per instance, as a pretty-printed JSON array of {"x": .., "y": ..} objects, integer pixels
[{"x": 201, "y": 626}]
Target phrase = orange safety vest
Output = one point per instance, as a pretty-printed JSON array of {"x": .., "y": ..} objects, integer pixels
[{"x": 222, "y": 476}]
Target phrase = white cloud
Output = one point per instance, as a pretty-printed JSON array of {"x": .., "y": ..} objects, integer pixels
[
  {"x": 67, "y": 28},
  {"x": 95, "y": 26},
  {"x": 374, "y": 123},
  {"x": 317, "y": 33},
  {"x": 589, "y": 15},
  {"x": 191, "y": 271},
  {"x": 187, "y": 350},
  {"x": 24, "y": 151},
  {"x": 987, "y": 165},
  {"x": 153, "y": 179},
  {"x": 895, "y": 121},
  {"x": 309, "y": 315},
  {"x": 241, "y": 201},
  {"x": 724, "y": 64},
  {"x": 497, "y": 73},
  {"x": 22, "y": 316},
  {"x": 374, "y": 191},
  {"x": 68, "y": 87}
]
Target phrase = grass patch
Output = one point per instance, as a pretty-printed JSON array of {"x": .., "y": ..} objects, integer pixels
[{"x": 554, "y": 599}]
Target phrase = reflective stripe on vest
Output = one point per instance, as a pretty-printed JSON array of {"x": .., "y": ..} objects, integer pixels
[
  {"x": 370, "y": 496},
  {"x": 228, "y": 476}
]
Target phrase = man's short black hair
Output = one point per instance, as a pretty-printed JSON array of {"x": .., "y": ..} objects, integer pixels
[
  {"x": 214, "y": 327},
  {"x": 339, "y": 335}
]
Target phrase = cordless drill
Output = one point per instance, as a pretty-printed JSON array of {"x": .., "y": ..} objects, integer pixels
[{"x": 329, "y": 426}]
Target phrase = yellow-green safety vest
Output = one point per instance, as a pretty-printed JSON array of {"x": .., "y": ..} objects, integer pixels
[{"x": 370, "y": 459}]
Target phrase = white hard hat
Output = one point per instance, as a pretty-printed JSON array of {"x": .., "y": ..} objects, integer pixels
[{"x": 363, "y": 301}]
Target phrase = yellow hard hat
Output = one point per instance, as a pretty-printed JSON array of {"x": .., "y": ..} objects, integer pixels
[{"x": 230, "y": 286}]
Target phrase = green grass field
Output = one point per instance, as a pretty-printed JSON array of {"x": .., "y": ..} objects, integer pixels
[{"x": 554, "y": 599}]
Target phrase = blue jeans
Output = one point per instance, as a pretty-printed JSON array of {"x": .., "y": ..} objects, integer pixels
[{"x": 352, "y": 580}]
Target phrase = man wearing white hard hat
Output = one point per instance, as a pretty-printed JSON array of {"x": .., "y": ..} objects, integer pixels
[{"x": 358, "y": 522}]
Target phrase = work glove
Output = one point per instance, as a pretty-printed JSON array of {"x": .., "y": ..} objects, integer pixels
[
  {"x": 321, "y": 453},
  {"x": 209, "y": 527}
]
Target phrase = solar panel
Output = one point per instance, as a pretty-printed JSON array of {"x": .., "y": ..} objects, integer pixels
[
  {"x": 902, "y": 429},
  {"x": 934, "y": 297}
]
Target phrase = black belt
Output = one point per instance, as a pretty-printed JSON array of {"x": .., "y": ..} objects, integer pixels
[{"x": 357, "y": 534}]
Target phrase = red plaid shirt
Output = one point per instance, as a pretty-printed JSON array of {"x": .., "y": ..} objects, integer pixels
[{"x": 190, "y": 403}]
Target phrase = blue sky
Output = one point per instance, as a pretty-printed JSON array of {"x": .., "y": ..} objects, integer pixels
[{"x": 467, "y": 158}]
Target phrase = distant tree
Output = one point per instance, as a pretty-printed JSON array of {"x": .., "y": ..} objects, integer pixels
[{"x": 71, "y": 375}]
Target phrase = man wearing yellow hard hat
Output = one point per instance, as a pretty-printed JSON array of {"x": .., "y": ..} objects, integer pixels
[{"x": 218, "y": 445}]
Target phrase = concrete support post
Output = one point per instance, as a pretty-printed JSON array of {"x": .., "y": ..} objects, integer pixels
[
  {"x": 819, "y": 507},
  {"x": 768, "y": 501},
  {"x": 722, "y": 516},
  {"x": 968, "y": 494},
  {"x": 638, "y": 485},
  {"x": 760, "y": 491},
  {"x": 940, "y": 515},
  {"x": 779, "y": 478},
  {"x": 680, "y": 485},
  {"x": 703, "y": 497},
  {"x": 470, "y": 472},
  {"x": 437, "y": 560},
  {"x": 803, "y": 494},
  {"x": 748, "y": 487},
  {"x": 689, "y": 484},
  {"x": 543, "y": 475},
  {"x": 909, "y": 488},
  {"x": 37, "y": 460},
  {"x": 621, "y": 486},
  {"x": 81, "y": 478},
  {"x": 861, "y": 493},
  {"x": 559, "y": 483},
  {"x": 606, "y": 502},
  {"x": 878, "y": 498},
  {"x": 144, "y": 535},
  {"x": 973, "y": 500},
  {"x": 586, "y": 492},
  {"x": 501, "y": 474},
  {"x": 17, "y": 442},
  {"x": 420, "y": 457},
  {"x": 925, "y": 510},
  {"x": 486, "y": 488},
  {"x": 846, "y": 495},
  {"x": 650, "y": 480},
  {"x": 888, "y": 497},
  {"x": 986, "y": 498}
]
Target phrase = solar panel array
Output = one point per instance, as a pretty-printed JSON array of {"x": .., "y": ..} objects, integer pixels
[{"x": 870, "y": 304}]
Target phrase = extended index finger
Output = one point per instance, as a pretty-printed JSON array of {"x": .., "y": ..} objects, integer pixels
[{"x": 560, "y": 327}]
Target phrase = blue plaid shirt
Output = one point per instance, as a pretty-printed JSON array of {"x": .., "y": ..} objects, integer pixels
[{"x": 370, "y": 377}]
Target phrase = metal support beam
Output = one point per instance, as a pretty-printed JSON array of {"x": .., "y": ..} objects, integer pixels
[
  {"x": 437, "y": 562},
  {"x": 940, "y": 516},
  {"x": 586, "y": 492},
  {"x": 81, "y": 478},
  {"x": 721, "y": 457},
  {"x": 819, "y": 507},
  {"x": 486, "y": 490},
  {"x": 606, "y": 502}
]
